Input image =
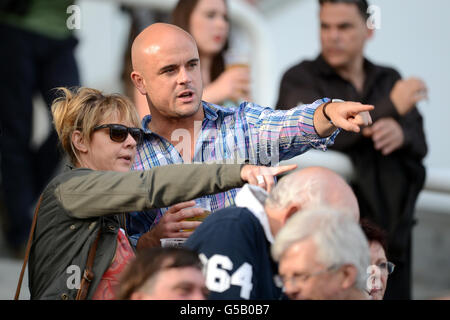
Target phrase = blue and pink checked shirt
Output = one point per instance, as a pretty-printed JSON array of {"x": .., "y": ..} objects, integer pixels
[{"x": 259, "y": 135}]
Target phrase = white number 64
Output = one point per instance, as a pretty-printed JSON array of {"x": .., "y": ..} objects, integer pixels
[{"x": 218, "y": 278}]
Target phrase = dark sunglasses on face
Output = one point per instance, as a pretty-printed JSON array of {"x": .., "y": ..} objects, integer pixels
[{"x": 119, "y": 133}]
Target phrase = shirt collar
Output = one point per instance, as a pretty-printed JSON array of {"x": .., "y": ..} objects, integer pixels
[
  {"x": 253, "y": 198},
  {"x": 211, "y": 111}
]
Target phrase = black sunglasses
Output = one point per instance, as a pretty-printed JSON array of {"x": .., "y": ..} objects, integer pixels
[{"x": 119, "y": 133}]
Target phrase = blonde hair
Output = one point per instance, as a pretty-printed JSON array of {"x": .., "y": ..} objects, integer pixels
[{"x": 83, "y": 109}]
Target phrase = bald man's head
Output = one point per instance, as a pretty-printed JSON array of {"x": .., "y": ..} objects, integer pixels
[
  {"x": 315, "y": 186},
  {"x": 150, "y": 40},
  {"x": 166, "y": 68}
]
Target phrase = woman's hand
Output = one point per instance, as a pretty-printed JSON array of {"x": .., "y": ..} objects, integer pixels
[
  {"x": 264, "y": 176},
  {"x": 233, "y": 84}
]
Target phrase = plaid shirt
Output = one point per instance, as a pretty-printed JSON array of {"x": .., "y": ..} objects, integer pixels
[{"x": 252, "y": 133}]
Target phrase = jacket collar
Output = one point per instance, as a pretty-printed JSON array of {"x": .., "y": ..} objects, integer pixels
[{"x": 253, "y": 198}]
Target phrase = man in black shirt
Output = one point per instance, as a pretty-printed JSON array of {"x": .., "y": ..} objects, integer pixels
[{"x": 387, "y": 156}]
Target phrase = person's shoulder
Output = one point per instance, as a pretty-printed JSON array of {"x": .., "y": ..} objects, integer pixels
[
  {"x": 69, "y": 172},
  {"x": 302, "y": 66},
  {"x": 305, "y": 71},
  {"x": 385, "y": 70},
  {"x": 234, "y": 232},
  {"x": 231, "y": 215},
  {"x": 214, "y": 111},
  {"x": 222, "y": 223}
]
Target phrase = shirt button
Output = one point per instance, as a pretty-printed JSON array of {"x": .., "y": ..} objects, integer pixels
[
  {"x": 72, "y": 227},
  {"x": 112, "y": 228},
  {"x": 65, "y": 296}
]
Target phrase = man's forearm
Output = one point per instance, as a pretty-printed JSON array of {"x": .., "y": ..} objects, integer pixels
[{"x": 322, "y": 125}]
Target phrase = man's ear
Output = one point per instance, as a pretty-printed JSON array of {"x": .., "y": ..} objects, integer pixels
[
  {"x": 292, "y": 208},
  {"x": 349, "y": 273},
  {"x": 78, "y": 142},
  {"x": 138, "y": 82}
]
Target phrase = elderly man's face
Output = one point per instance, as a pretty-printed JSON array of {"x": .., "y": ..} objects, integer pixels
[
  {"x": 306, "y": 279},
  {"x": 172, "y": 77}
]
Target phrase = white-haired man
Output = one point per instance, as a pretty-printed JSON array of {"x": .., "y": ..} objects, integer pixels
[
  {"x": 323, "y": 255},
  {"x": 234, "y": 243}
]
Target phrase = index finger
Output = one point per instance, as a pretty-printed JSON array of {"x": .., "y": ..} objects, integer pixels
[
  {"x": 359, "y": 107},
  {"x": 282, "y": 169}
]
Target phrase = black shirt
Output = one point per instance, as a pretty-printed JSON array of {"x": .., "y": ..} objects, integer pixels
[{"x": 311, "y": 80}]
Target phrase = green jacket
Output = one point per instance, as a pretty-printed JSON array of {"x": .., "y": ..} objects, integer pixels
[{"x": 78, "y": 202}]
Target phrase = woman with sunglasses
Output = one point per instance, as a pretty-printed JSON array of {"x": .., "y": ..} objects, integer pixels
[
  {"x": 380, "y": 267},
  {"x": 81, "y": 216}
]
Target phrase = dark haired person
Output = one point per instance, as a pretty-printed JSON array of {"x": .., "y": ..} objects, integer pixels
[
  {"x": 381, "y": 268},
  {"x": 164, "y": 274},
  {"x": 387, "y": 156}
]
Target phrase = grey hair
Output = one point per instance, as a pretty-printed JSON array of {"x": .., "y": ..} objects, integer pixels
[
  {"x": 313, "y": 187},
  {"x": 338, "y": 237},
  {"x": 291, "y": 189}
]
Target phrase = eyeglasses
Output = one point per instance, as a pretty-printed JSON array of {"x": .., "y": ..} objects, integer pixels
[
  {"x": 300, "y": 278},
  {"x": 386, "y": 267},
  {"x": 119, "y": 133}
]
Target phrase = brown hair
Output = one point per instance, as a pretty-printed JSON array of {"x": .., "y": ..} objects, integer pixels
[
  {"x": 84, "y": 108},
  {"x": 148, "y": 263},
  {"x": 181, "y": 17},
  {"x": 374, "y": 233}
]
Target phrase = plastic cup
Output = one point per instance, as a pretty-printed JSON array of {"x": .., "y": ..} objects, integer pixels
[
  {"x": 236, "y": 59},
  {"x": 205, "y": 204}
]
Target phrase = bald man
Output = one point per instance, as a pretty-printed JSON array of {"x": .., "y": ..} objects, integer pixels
[
  {"x": 182, "y": 128},
  {"x": 234, "y": 243}
]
